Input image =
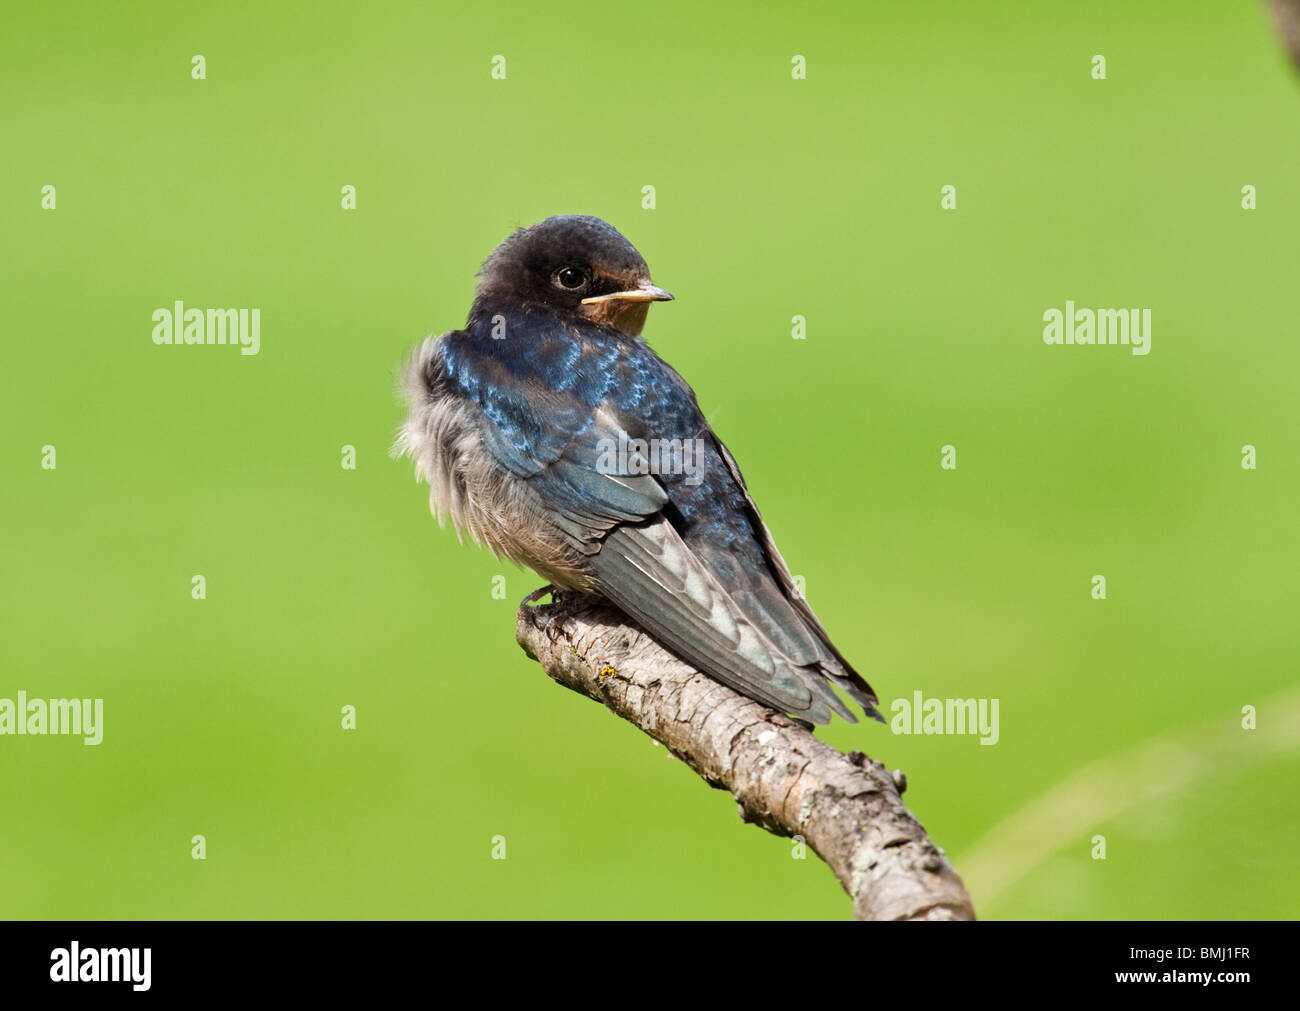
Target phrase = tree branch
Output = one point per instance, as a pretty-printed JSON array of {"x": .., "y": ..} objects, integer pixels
[
  {"x": 846, "y": 807},
  {"x": 1286, "y": 15}
]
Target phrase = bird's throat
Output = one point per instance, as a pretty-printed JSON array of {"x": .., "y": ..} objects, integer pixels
[{"x": 628, "y": 317}]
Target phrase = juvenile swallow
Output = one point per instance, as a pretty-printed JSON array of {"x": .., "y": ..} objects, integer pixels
[{"x": 554, "y": 436}]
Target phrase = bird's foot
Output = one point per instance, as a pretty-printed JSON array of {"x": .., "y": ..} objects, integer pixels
[{"x": 550, "y": 588}]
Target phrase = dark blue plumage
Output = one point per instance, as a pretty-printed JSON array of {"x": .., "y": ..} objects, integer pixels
[
  {"x": 512, "y": 422},
  {"x": 651, "y": 399}
]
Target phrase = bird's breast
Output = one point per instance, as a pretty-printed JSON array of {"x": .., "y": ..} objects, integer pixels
[{"x": 442, "y": 434}]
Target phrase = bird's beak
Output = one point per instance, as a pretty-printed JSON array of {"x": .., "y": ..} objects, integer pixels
[{"x": 645, "y": 293}]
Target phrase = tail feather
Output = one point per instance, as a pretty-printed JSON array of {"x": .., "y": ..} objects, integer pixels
[{"x": 650, "y": 572}]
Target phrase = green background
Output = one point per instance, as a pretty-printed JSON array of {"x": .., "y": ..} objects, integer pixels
[{"x": 776, "y": 197}]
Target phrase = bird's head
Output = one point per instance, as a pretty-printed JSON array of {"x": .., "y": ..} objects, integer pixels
[{"x": 576, "y": 266}]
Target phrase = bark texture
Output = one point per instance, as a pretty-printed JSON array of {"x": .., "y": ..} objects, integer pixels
[{"x": 846, "y": 808}]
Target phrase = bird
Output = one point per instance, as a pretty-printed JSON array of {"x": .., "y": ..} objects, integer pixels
[{"x": 533, "y": 426}]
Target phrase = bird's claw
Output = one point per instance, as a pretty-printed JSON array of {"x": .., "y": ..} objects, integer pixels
[{"x": 539, "y": 593}]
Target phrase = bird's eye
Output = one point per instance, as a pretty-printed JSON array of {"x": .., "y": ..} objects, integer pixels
[{"x": 570, "y": 277}]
